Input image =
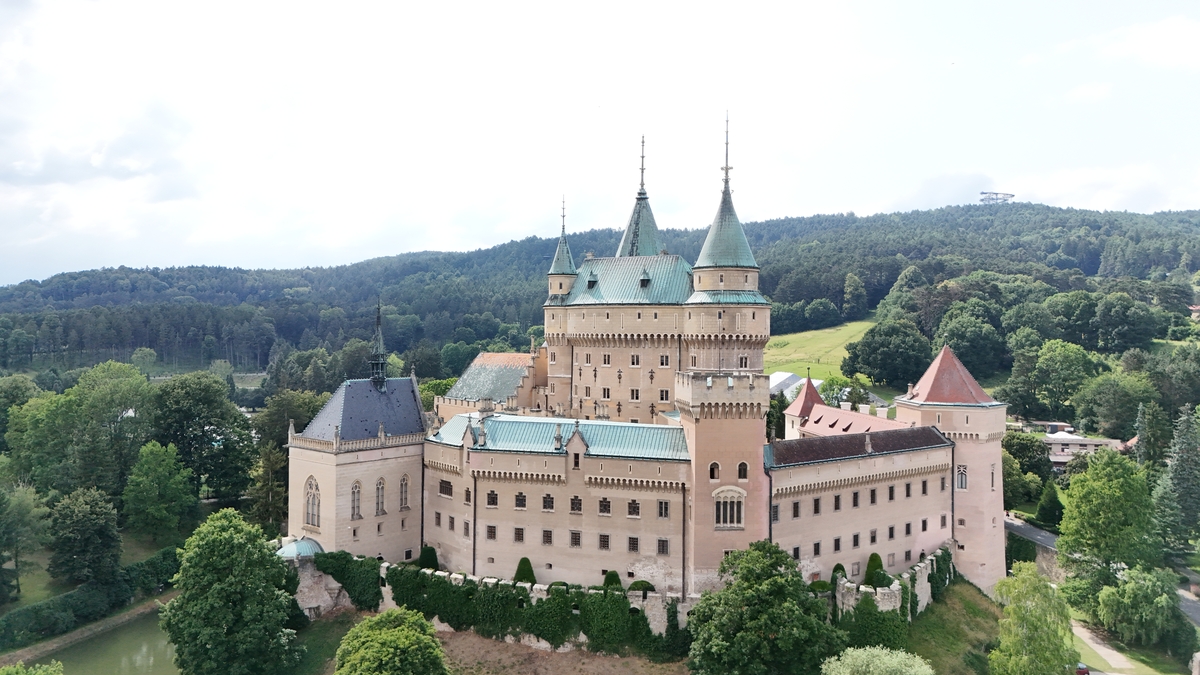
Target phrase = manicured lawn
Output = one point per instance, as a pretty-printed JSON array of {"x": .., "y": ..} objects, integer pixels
[
  {"x": 36, "y": 584},
  {"x": 1145, "y": 660},
  {"x": 821, "y": 351},
  {"x": 321, "y": 640},
  {"x": 1028, "y": 508},
  {"x": 136, "y": 548},
  {"x": 955, "y": 634}
]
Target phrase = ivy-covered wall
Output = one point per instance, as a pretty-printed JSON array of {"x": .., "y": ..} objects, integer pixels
[{"x": 909, "y": 594}]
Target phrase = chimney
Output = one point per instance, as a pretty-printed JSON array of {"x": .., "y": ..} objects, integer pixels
[
  {"x": 864, "y": 408},
  {"x": 482, "y": 433},
  {"x": 846, "y": 405},
  {"x": 485, "y": 408},
  {"x": 881, "y": 411},
  {"x": 910, "y": 390},
  {"x": 558, "y": 440},
  {"x": 867, "y": 441}
]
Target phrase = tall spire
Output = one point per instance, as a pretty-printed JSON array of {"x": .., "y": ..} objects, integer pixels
[
  {"x": 563, "y": 262},
  {"x": 379, "y": 355},
  {"x": 726, "y": 244},
  {"x": 641, "y": 234}
]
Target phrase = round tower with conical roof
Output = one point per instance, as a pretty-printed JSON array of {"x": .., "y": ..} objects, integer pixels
[{"x": 562, "y": 270}]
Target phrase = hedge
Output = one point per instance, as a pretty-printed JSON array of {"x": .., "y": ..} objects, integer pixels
[
  {"x": 89, "y": 602},
  {"x": 500, "y": 610},
  {"x": 359, "y": 576}
]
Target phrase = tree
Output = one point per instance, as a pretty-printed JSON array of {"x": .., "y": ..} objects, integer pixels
[
  {"x": 1153, "y": 429},
  {"x": 893, "y": 353},
  {"x": 1050, "y": 508},
  {"x": 1109, "y": 403},
  {"x": 287, "y": 405},
  {"x": 821, "y": 313},
  {"x": 194, "y": 413},
  {"x": 84, "y": 541},
  {"x": 1168, "y": 519},
  {"x": 268, "y": 495},
  {"x": 1184, "y": 457},
  {"x": 232, "y": 606},
  {"x": 835, "y": 390},
  {"x": 428, "y": 559},
  {"x": 1108, "y": 518},
  {"x": 975, "y": 342},
  {"x": 160, "y": 493},
  {"x": 1122, "y": 323},
  {"x": 765, "y": 620},
  {"x": 1015, "y": 488},
  {"x": 1030, "y": 452},
  {"x": 396, "y": 642},
  {"x": 866, "y": 626},
  {"x": 1061, "y": 370},
  {"x": 23, "y": 527},
  {"x": 524, "y": 572},
  {"x": 854, "y": 298},
  {"x": 53, "y": 668},
  {"x": 15, "y": 390},
  {"x": 143, "y": 359},
  {"x": 875, "y": 661},
  {"x": 1035, "y": 632},
  {"x": 1141, "y": 607}
]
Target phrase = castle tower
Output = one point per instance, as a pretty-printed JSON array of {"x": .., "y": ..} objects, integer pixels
[
  {"x": 722, "y": 397},
  {"x": 950, "y": 399},
  {"x": 562, "y": 270},
  {"x": 641, "y": 234}
]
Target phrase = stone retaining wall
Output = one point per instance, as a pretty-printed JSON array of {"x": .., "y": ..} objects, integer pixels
[{"x": 888, "y": 599}]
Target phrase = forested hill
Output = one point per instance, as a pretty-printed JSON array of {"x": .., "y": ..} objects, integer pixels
[{"x": 213, "y": 312}]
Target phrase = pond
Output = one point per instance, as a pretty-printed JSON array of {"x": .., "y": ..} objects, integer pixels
[{"x": 139, "y": 647}]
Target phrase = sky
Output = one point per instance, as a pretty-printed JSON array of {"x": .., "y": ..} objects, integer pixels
[{"x": 294, "y": 134}]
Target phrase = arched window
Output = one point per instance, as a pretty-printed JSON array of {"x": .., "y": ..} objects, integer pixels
[
  {"x": 312, "y": 503},
  {"x": 743, "y": 471},
  {"x": 962, "y": 476},
  {"x": 404, "y": 491},
  {"x": 356, "y": 501},
  {"x": 728, "y": 505},
  {"x": 379, "y": 502},
  {"x": 714, "y": 471}
]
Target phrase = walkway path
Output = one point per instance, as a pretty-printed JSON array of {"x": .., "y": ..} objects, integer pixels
[
  {"x": 1034, "y": 534},
  {"x": 1116, "y": 660}
]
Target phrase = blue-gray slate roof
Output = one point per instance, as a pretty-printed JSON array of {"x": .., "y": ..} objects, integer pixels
[
  {"x": 641, "y": 234},
  {"x": 515, "y": 433},
  {"x": 640, "y": 280},
  {"x": 492, "y": 375},
  {"x": 357, "y": 408},
  {"x": 797, "y": 451},
  {"x": 726, "y": 245}
]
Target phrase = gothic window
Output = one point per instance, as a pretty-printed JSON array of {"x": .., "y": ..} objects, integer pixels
[
  {"x": 714, "y": 471},
  {"x": 312, "y": 503},
  {"x": 404, "y": 491},
  {"x": 379, "y": 503},
  {"x": 962, "y": 476},
  {"x": 743, "y": 471},
  {"x": 356, "y": 501},
  {"x": 728, "y": 505}
]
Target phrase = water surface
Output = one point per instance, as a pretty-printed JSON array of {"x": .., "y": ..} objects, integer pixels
[{"x": 139, "y": 647}]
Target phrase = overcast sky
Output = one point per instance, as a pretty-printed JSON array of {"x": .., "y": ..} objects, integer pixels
[{"x": 291, "y": 134}]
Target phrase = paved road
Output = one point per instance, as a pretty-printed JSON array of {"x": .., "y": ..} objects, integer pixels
[{"x": 1030, "y": 532}]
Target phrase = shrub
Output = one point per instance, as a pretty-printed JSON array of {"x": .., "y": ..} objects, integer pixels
[
  {"x": 873, "y": 563},
  {"x": 613, "y": 578},
  {"x": 869, "y": 627},
  {"x": 551, "y": 618},
  {"x": 880, "y": 579},
  {"x": 524, "y": 573},
  {"x": 359, "y": 576},
  {"x": 605, "y": 621},
  {"x": 640, "y": 585},
  {"x": 408, "y": 587},
  {"x": 453, "y": 603},
  {"x": 837, "y": 569},
  {"x": 500, "y": 610},
  {"x": 428, "y": 559},
  {"x": 820, "y": 586}
]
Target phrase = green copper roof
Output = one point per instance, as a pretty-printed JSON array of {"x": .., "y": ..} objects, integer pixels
[
  {"x": 641, "y": 234},
  {"x": 643, "y": 280},
  {"x": 726, "y": 245},
  {"x": 515, "y": 433},
  {"x": 727, "y": 298},
  {"x": 563, "y": 262}
]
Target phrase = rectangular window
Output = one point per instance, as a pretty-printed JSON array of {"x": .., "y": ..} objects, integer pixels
[
  {"x": 634, "y": 509},
  {"x": 547, "y": 537},
  {"x": 774, "y": 513},
  {"x": 605, "y": 506},
  {"x": 467, "y": 495},
  {"x": 605, "y": 393},
  {"x": 451, "y": 524},
  {"x": 743, "y": 362},
  {"x": 874, "y": 538},
  {"x": 891, "y": 560},
  {"x": 576, "y": 460},
  {"x": 854, "y": 569},
  {"x": 635, "y": 359},
  {"x": 604, "y": 542},
  {"x": 924, "y": 524},
  {"x": 854, "y": 499},
  {"x": 607, "y": 359},
  {"x": 854, "y": 540},
  {"x": 663, "y": 360},
  {"x": 873, "y": 500},
  {"x": 837, "y": 544},
  {"x": 587, "y": 359},
  {"x": 633, "y": 544},
  {"x": 445, "y": 488},
  {"x": 664, "y": 508},
  {"x": 943, "y": 483},
  {"x": 924, "y": 487},
  {"x": 962, "y": 522},
  {"x": 437, "y": 518},
  {"x": 664, "y": 547},
  {"x": 891, "y": 493},
  {"x": 519, "y": 500},
  {"x": 837, "y": 502},
  {"x": 816, "y": 549},
  {"x": 547, "y": 502},
  {"x": 907, "y": 490},
  {"x": 493, "y": 499},
  {"x": 908, "y": 556},
  {"x": 693, "y": 360},
  {"x": 943, "y": 521},
  {"x": 576, "y": 504},
  {"x": 576, "y": 539},
  {"x": 795, "y": 509},
  {"x": 908, "y": 529},
  {"x": 587, "y": 392},
  {"x": 795, "y": 552},
  {"x": 491, "y": 532},
  {"x": 891, "y": 532},
  {"x": 664, "y": 395},
  {"x": 635, "y": 394},
  {"x": 466, "y": 528},
  {"x": 519, "y": 535},
  {"x": 553, "y": 357},
  {"x": 817, "y": 506},
  {"x": 552, "y": 387}
]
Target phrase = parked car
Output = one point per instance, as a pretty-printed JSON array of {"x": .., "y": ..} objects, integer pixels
[{"x": 1081, "y": 669}]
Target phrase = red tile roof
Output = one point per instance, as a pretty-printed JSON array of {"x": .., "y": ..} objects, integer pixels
[
  {"x": 805, "y": 400},
  {"x": 818, "y": 419},
  {"x": 948, "y": 381}
]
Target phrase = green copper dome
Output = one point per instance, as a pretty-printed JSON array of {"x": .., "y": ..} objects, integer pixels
[{"x": 725, "y": 245}]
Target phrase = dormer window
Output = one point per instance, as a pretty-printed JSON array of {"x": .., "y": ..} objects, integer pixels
[
  {"x": 591, "y": 283},
  {"x": 645, "y": 282}
]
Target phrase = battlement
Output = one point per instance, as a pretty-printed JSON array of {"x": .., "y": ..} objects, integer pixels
[{"x": 722, "y": 395}]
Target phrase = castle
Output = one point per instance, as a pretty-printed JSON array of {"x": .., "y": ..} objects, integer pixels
[{"x": 648, "y": 395}]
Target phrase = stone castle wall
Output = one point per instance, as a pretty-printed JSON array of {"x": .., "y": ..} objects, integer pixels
[{"x": 848, "y": 593}]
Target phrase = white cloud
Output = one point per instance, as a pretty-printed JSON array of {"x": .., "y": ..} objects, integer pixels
[
  {"x": 1090, "y": 93},
  {"x": 1170, "y": 43}
]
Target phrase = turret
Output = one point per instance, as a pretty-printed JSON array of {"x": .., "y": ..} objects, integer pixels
[
  {"x": 641, "y": 233},
  {"x": 562, "y": 270},
  {"x": 725, "y": 262}
]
